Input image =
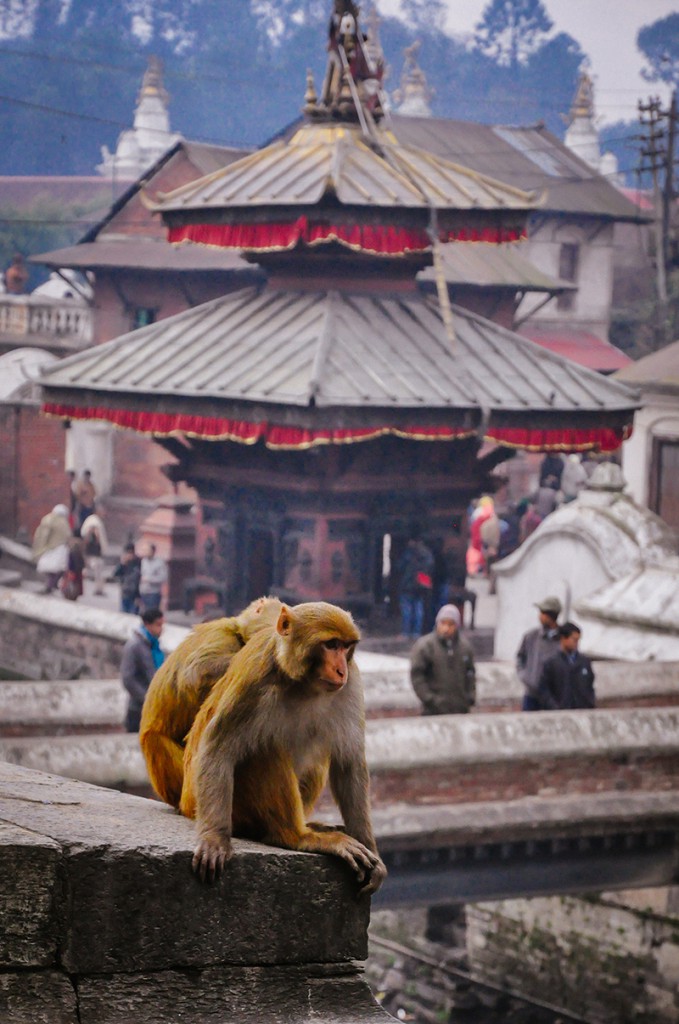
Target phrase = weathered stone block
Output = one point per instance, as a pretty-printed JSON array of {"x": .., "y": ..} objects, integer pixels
[
  {"x": 131, "y": 899},
  {"x": 37, "y": 997},
  {"x": 222, "y": 995},
  {"x": 29, "y": 875},
  {"x": 100, "y": 885}
]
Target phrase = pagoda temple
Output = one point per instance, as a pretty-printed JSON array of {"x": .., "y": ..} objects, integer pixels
[{"x": 337, "y": 403}]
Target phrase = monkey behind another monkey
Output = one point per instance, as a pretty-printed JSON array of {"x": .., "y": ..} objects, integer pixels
[{"x": 182, "y": 683}]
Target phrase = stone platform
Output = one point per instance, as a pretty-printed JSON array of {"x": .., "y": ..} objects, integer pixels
[{"x": 103, "y": 922}]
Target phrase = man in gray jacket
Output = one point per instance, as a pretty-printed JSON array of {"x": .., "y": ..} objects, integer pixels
[
  {"x": 442, "y": 668},
  {"x": 536, "y": 647}
]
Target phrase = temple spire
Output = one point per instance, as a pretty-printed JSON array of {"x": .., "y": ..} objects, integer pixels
[
  {"x": 413, "y": 97},
  {"x": 352, "y": 84},
  {"x": 582, "y": 134},
  {"x": 140, "y": 146}
]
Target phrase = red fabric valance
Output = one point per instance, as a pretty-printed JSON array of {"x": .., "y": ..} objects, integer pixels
[
  {"x": 384, "y": 240},
  {"x": 214, "y": 428}
]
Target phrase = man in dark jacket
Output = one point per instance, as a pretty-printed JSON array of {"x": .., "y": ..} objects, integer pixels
[
  {"x": 536, "y": 647},
  {"x": 567, "y": 679},
  {"x": 142, "y": 655},
  {"x": 442, "y": 668}
]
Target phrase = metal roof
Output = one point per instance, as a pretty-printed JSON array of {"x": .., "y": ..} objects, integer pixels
[
  {"x": 581, "y": 347},
  {"x": 136, "y": 253},
  {"x": 528, "y": 158},
  {"x": 493, "y": 266},
  {"x": 482, "y": 266},
  {"x": 658, "y": 370},
  {"x": 324, "y": 349},
  {"x": 337, "y": 160}
]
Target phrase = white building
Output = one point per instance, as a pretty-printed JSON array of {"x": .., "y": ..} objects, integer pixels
[{"x": 650, "y": 458}]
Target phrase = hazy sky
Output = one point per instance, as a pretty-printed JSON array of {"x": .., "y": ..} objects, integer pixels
[{"x": 606, "y": 31}]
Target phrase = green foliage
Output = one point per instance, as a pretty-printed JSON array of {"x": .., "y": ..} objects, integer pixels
[
  {"x": 236, "y": 70},
  {"x": 44, "y": 225},
  {"x": 646, "y": 325},
  {"x": 510, "y": 31},
  {"x": 659, "y": 44}
]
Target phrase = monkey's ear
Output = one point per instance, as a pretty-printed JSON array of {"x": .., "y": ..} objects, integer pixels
[{"x": 284, "y": 624}]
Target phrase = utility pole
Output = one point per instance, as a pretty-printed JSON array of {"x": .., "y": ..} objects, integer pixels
[
  {"x": 668, "y": 188},
  {"x": 653, "y": 156}
]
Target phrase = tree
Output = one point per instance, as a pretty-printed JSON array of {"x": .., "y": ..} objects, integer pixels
[
  {"x": 659, "y": 44},
  {"x": 427, "y": 15},
  {"x": 511, "y": 30}
]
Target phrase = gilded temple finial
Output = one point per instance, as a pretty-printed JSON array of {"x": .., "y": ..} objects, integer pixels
[
  {"x": 310, "y": 96},
  {"x": 352, "y": 84}
]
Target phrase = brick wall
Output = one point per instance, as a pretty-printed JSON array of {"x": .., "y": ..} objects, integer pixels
[
  {"x": 32, "y": 473},
  {"x": 582, "y": 773}
]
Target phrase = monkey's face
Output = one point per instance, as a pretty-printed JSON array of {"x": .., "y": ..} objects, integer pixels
[
  {"x": 332, "y": 666},
  {"x": 314, "y": 643}
]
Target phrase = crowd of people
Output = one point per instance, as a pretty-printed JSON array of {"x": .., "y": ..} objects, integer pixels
[
  {"x": 70, "y": 541},
  {"x": 495, "y": 532},
  {"x": 554, "y": 672},
  {"x": 433, "y": 593}
]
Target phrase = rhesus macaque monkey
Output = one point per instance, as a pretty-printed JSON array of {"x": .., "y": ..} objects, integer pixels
[
  {"x": 182, "y": 683},
  {"x": 287, "y": 713}
]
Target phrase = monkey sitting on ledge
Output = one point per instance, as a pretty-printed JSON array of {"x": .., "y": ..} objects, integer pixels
[
  {"x": 182, "y": 683},
  {"x": 287, "y": 715}
]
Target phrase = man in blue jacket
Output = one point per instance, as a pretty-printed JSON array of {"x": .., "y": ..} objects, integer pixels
[{"x": 142, "y": 655}]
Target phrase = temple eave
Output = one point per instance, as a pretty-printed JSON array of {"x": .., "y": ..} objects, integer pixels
[{"x": 300, "y": 428}]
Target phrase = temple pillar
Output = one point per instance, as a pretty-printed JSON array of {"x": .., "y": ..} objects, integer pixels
[{"x": 172, "y": 527}]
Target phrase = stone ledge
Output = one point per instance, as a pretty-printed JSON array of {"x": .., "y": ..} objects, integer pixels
[
  {"x": 403, "y": 826},
  {"x": 397, "y": 746},
  {"x": 104, "y": 922},
  {"x": 124, "y": 863},
  {"x": 57, "y": 705},
  {"x": 403, "y": 744},
  {"x": 62, "y": 704},
  {"x": 101, "y": 759}
]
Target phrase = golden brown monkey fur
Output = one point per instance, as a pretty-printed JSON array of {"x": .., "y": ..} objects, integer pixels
[
  {"x": 287, "y": 714},
  {"x": 182, "y": 683}
]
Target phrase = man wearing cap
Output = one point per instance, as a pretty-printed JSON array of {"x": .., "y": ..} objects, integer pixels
[
  {"x": 442, "y": 669},
  {"x": 536, "y": 647}
]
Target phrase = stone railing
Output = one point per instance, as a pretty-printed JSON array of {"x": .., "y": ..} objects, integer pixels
[{"x": 31, "y": 316}]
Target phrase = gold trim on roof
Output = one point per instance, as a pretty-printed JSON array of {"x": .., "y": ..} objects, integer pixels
[{"x": 335, "y": 159}]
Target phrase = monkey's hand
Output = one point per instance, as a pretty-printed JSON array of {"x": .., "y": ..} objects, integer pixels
[
  {"x": 210, "y": 854},
  {"x": 367, "y": 865},
  {"x": 377, "y": 875}
]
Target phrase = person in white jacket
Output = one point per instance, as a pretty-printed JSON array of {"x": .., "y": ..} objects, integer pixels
[
  {"x": 153, "y": 578},
  {"x": 93, "y": 533}
]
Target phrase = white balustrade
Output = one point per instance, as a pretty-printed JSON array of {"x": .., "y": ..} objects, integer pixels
[{"x": 28, "y": 316}]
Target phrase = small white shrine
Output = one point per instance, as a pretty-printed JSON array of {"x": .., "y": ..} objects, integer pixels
[{"x": 612, "y": 563}]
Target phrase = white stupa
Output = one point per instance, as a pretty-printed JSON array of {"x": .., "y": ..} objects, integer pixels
[
  {"x": 582, "y": 135},
  {"x": 140, "y": 146},
  {"x": 612, "y": 563},
  {"x": 412, "y": 99}
]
